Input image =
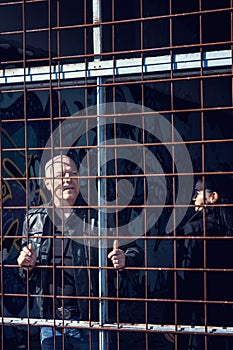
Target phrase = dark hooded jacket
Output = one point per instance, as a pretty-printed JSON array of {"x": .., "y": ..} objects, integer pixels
[
  {"x": 204, "y": 260},
  {"x": 208, "y": 258}
]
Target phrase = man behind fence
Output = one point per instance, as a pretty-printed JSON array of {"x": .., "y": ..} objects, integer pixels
[{"x": 61, "y": 271}]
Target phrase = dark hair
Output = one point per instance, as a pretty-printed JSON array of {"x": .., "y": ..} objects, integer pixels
[{"x": 222, "y": 214}]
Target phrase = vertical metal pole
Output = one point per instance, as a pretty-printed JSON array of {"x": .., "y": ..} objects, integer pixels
[
  {"x": 97, "y": 29},
  {"x": 97, "y": 44},
  {"x": 101, "y": 218}
]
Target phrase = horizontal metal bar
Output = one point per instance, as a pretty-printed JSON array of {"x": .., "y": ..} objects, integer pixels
[
  {"x": 118, "y": 67},
  {"x": 115, "y": 326}
]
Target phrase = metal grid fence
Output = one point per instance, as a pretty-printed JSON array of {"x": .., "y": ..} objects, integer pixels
[{"x": 140, "y": 95}]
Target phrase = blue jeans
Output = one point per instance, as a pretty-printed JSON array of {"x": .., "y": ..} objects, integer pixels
[{"x": 68, "y": 339}]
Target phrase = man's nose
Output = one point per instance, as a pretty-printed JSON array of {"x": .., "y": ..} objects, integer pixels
[{"x": 67, "y": 176}]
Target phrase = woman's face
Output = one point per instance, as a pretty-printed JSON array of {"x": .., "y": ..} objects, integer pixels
[{"x": 200, "y": 198}]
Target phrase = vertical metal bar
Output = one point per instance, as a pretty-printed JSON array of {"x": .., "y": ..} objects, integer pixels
[
  {"x": 97, "y": 29},
  {"x": 1, "y": 240},
  {"x": 101, "y": 215},
  {"x": 97, "y": 45}
]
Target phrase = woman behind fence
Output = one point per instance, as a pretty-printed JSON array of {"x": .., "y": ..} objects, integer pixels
[{"x": 205, "y": 254}]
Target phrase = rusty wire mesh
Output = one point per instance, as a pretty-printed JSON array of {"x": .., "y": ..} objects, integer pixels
[{"x": 170, "y": 59}]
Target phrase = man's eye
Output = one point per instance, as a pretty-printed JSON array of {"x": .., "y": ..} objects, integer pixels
[{"x": 73, "y": 174}]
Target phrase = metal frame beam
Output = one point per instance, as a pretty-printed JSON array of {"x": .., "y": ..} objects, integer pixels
[{"x": 118, "y": 67}]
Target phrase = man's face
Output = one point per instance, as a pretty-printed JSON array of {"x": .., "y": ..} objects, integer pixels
[{"x": 63, "y": 182}]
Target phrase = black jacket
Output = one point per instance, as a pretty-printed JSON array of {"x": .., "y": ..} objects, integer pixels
[
  {"x": 38, "y": 229},
  {"x": 208, "y": 255},
  {"x": 201, "y": 253}
]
